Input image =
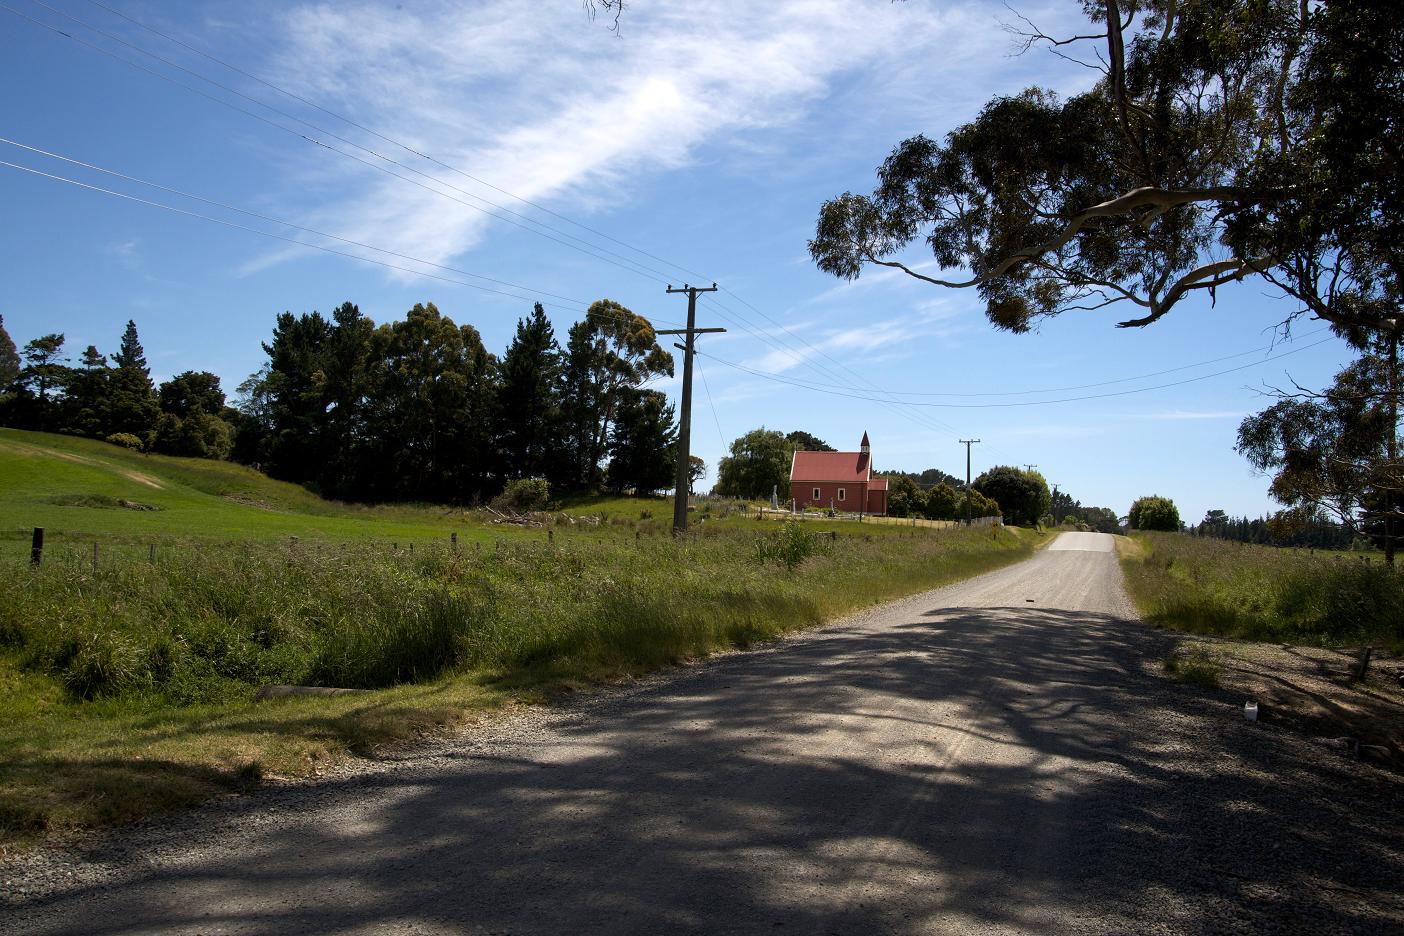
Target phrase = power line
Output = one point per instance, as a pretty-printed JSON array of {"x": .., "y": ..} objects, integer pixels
[
  {"x": 263, "y": 217},
  {"x": 252, "y": 230},
  {"x": 597, "y": 253},
  {"x": 632, "y": 266},
  {"x": 593, "y": 250},
  {"x": 1096, "y": 396},
  {"x": 721, "y": 436},
  {"x": 381, "y": 136},
  {"x": 643, "y": 270},
  {"x": 1103, "y": 383}
]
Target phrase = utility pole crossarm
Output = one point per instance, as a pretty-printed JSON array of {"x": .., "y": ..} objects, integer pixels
[{"x": 685, "y": 416}]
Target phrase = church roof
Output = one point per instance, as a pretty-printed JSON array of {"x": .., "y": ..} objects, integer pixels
[{"x": 852, "y": 467}]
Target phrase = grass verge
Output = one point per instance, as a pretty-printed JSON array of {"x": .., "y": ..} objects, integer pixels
[
  {"x": 127, "y": 687},
  {"x": 1209, "y": 586}
]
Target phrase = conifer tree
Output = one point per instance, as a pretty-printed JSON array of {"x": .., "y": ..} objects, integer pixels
[
  {"x": 132, "y": 405},
  {"x": 528, "y": 402},
  {"x": 9, "y": 359}
]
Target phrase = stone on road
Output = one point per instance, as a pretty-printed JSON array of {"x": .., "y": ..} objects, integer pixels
[{"x": 999, "y": 756}]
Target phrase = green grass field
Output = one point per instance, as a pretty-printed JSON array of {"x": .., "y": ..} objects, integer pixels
[
  {"x": 127, "y": 686},
  {"x": 74, "y": 488}
]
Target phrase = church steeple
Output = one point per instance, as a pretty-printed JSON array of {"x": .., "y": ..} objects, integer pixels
[{"x": 865, "y": 448}]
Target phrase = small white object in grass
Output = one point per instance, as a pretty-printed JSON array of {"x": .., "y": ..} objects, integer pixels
[{"x": 1250, "y": 710}]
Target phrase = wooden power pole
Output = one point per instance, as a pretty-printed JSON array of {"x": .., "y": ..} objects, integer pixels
[
  {"x": 685, "y": 417},
  {"x": 967, "y": 443}
]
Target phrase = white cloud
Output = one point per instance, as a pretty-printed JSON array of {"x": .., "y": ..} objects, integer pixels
[
  {"x": 869, "y": 341},
  {"x": 543, "y": 104}
]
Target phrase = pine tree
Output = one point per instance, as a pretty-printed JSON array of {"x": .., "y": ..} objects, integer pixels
[
  {"x": 43, "y": 377},
  {"x": 642, "y": 451},
  {"x": 9, "y": 359},
  {"x": 132, "y": 406},
  {"x": 528, "y": 404},
  {"x": 86, "y": 409},
  {"x": 131, "y": 354}
]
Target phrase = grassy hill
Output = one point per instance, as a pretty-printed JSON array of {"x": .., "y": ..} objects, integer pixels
[{"x": 80, "y": 489}]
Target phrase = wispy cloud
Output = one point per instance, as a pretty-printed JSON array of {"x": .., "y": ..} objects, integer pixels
[
  {"x": 578, "y": 126},
  {"x": 127, "y": 252},
  {"x": 869, "y": 340}
]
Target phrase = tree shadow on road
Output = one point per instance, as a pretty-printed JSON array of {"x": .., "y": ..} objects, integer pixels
[{"x": 968, "y": 770}]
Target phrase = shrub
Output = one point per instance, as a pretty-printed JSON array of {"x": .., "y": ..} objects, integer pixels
[
  {"x": 126, "y": 440},
  {"x": 1154, "y": 513},
  {"x": 791, "y": 546},
  {"x": 524, "y": 494}
]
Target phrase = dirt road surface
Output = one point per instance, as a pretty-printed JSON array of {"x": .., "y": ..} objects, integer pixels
[{"x": 999, "y": 756}]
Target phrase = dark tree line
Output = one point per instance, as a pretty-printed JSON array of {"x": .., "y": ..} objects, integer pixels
[
  {"x": 112, "y": 397},
  {"x": 1064, "y": 507},
  {"x": 1285, "y": 528},
  {"x": 415, "y": 409}
]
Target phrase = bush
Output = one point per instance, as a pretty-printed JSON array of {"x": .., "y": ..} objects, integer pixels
[
  {"x": 524, "y": 494},
  {"x": 126, "y": 440},
  {"x": 1154, "y": 513},
  {"x": 791, "y": 546}
]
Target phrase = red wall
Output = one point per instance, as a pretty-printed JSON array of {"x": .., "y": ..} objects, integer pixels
[{"x": 857, "y": 500}]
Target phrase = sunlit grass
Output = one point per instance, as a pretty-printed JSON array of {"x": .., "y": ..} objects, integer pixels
[
  {"x": 1213, "y": 586},
  {"x": 129, "y": 686}
]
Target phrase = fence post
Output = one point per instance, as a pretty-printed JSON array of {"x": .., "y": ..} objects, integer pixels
[
  {"x": 36, "y": 549},
  {"x": 151, "y": 553},
  {"x": 453, "y": 541},
  {"x": 95, "y": 556}
]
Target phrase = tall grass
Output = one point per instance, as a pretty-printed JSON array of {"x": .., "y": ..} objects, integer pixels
[
  {"x": 210, "y": 624},
  {"x": 1213, "y": 586}
]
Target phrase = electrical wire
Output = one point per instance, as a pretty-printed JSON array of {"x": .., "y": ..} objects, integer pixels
[
  {"x": 641, "y": 269},
  {"x": 645, "y": 271},
  {"x": 564, "y": 239},
  {"x": 263, "y": 217},
  {"x": 381, "y": 136},
  {"x": 1095, "y": 396},
  {"x": 252, "y": 230},
  {"x": 721, "y": 436},
  {"x": 637, "y": 268}
]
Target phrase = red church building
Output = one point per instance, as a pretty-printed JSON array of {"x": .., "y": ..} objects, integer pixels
[{"x": 841, "y": 480}]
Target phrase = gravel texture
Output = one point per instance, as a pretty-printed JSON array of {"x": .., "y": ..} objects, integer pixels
[{"x": 1000, "y": 756}]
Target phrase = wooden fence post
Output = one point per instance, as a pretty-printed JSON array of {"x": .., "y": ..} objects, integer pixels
[
  {"x": 95, "y": 556},
  {"x": 36, "y": 549},
  {"x": 151, "y": 553}
]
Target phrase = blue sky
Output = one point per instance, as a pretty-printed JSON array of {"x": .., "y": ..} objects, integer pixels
[{"x": 701, "y": 140}]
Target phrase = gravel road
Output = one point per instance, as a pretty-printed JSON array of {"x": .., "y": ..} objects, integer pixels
[{"x": 999, "y": 756}]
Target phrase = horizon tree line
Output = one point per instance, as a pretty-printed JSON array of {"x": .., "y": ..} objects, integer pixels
[{"x": 411, "y": 409}]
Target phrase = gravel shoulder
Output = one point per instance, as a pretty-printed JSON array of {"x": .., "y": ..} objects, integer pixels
[{"x": 999, "y": 756}]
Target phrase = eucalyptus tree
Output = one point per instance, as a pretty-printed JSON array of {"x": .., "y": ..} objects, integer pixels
[
  {"x": 1337, "y": 450},
  {"x": 1222, "y": 141},
  {"x": 610, "y": 351}
]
